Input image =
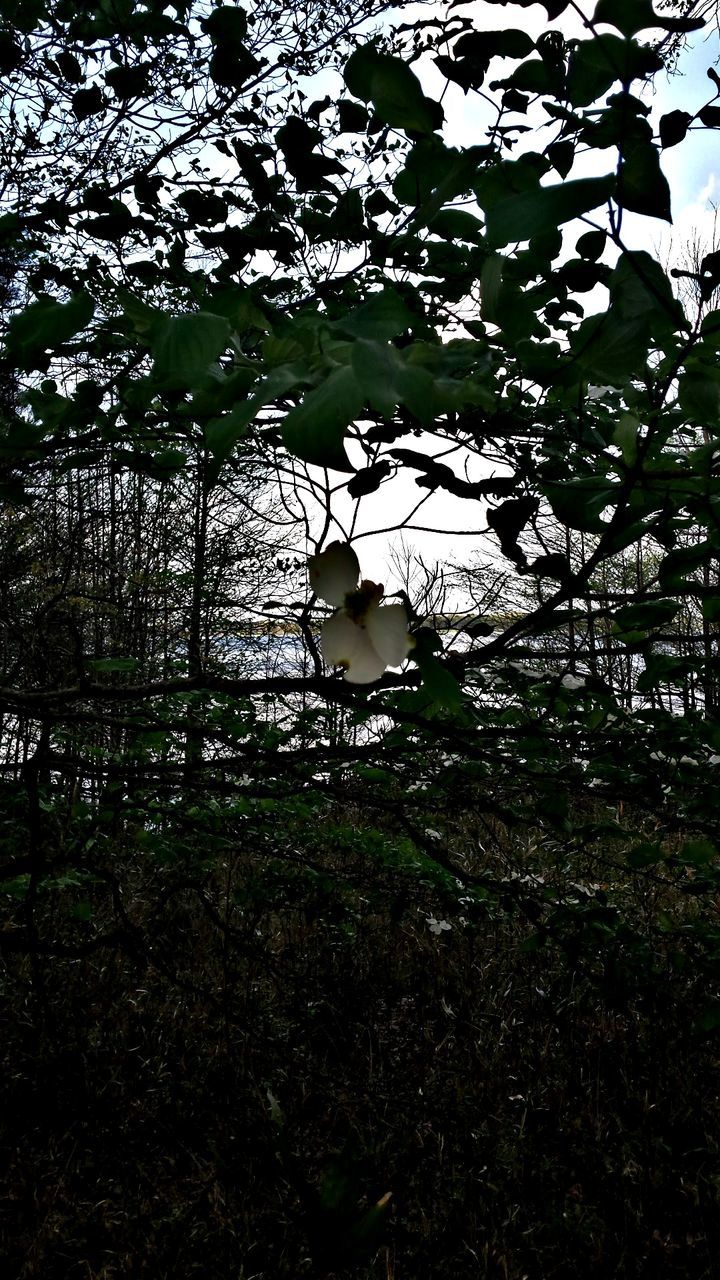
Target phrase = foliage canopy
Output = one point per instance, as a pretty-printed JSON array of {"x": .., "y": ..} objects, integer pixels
[{"x": 238, "y": 315}]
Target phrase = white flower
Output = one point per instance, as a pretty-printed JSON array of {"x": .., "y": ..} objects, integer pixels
[
  {"x": 437, "y": 926},
  {"x": 362, "y": 636},
  {"x": 572, "y": 682}
]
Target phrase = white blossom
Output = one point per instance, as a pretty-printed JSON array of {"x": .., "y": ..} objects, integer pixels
[
  {"x": 437, "y": 926},
  {"x": 570, "y": 681},
  {"x": 362, "y": 636}
]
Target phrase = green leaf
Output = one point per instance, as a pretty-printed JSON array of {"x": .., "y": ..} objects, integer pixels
[
  {"x": 710, "y": 329},
  {"x": 435, "y": 174},
  {"x": 315, "y": 429},
  {"x": 661, "y": 669},
  {"x": 378, "y": 368},
  {"x": 680, "y": 564},
  {"x": 393, "y": 89},
  {"x": 610, "y": 350},
  {"x": 387, "y": 378},
  {"x": 698, "y": 853},
  {"x": 382, "y": 317},
  {"x": 709, "y": 1019},
  {"x": 141, "y": 316},
  {"x": 439, "y": 683},
  {"x": 105, "y": 665},
  {"x": 519, "y": 217},
  {"x": 699, "y": 393},
  {"x": 580, "y": 503},
  {"x": 711, "y": 608},
  {"x": 646, "y": 854},
  {"x": 637, "y": 619},
  {"x": 456, "y": 224},
  {"x": 640, "y": 290},
  {"x": 534, "y": 76},
  {"x": 592, "y": 70},
  {"x": 167, "y": 462},
  {"x": 186, "y": 346},
  {"x": 474, "y": 51},
  {"x": 491, "y": 281},
  {"x": 222, "y": 434},
  {"x": 625, "y": 436},
  {"x": 47, "y": 324}
]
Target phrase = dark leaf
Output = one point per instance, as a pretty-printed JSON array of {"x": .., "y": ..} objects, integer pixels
[
  {"x": 369, "y": 480},
  {"x": 710, "y": 117},
  {"x": 507, "y": 521},
  {"x": 642, "y": 186},
  {"x": 204, "y": 208},
  {"x": 674, "y": 126},
  {"x": 519, "y": 217},
  {"x": 88, "y": 102},
  {"x": 630, "y": 16},
  {"x": 512, "y": 100},
  {"x": 457, "y": 224},
  {"x": 393, "y": 89},
  {"x": 438, "y": 682},
  {"x": 315, "y": 430},
  {"x": 11, "y": 54},
  {"x": 129, "y": 82},
  {"x": 226, "y": 25},
  {"x": 598, "y": 63},
  {"x": 382, "y": 317},
  {"x": 591, "y": 245},
  {"x": 46, "y": 324},
  {"x": 699, "y": 393},
  {"x": 186, "y": 346},
  {"x": 353, "y": 118},
  {"x": 69, "y": 67},
  {"x": 561, "y": 155},
  {"x": 640, "y": 290},
  {"x": 580, "y": 503}
]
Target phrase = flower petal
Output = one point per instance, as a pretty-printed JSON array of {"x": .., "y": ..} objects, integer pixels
[
  {"x": 367, "y": 665},
  {"x": 334, "y": 572},
  {"x": 339, "y": 639},
  {"x": 346, "y": 643},
  {"x": 388, "y": 630}
]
